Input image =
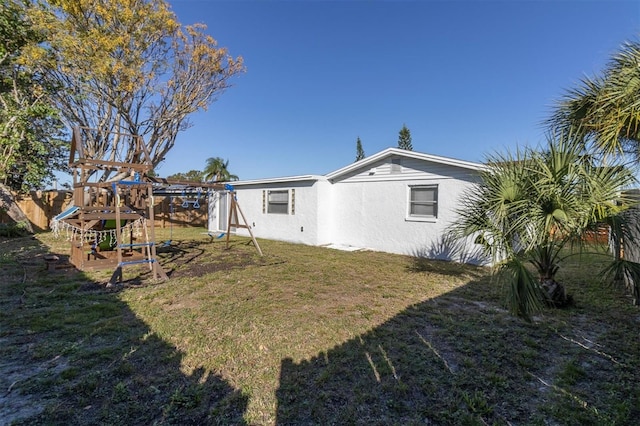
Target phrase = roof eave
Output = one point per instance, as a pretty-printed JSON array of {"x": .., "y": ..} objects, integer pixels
[{"x": 285, "y": 179}]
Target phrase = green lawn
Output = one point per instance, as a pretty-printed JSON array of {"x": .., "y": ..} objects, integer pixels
[{"x": 304, "y": 335}]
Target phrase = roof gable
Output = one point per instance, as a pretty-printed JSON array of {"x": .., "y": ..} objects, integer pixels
[
  {"x": 364, "y": 165},
  {"x": 395, "y": 153}
]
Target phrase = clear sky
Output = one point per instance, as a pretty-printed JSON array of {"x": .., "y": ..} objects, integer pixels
[{"x": 467, "y": 77}]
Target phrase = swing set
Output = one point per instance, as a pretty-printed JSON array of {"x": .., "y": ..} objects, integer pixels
[
  {"x": 193, "y": 203},
  {"x": 192, "y": 194}
]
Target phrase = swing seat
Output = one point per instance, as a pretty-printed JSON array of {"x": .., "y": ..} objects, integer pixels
[{"x": 217, "y": 237}]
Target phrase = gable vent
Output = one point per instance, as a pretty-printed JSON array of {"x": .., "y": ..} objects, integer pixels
[{"x": 396, "y": 165}]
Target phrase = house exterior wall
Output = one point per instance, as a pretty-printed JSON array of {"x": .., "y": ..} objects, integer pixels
[
  {"x": 299, "y": 226},
  {"x": 366, "y": 205},
  {"x": 372, "y": 211},
  {"x": 326, "y": 213}
]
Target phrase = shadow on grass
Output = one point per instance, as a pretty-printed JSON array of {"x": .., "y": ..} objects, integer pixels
[
  {"x": 198, "y": 258},
  {"x": 450, "y": 248},
  {"x": 178, "y": 253},
  {"x": 459, "y": 359},
  {"x": 443, "y": 267},
  {"x": 72, "y": 353},
  {"x": 445, "y": 255},
  {"x": 408, "y": 370}
]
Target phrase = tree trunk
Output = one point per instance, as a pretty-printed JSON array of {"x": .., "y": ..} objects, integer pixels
[
  {"x": 8, "y": 203},
  {"x": 557, "y": 296}
]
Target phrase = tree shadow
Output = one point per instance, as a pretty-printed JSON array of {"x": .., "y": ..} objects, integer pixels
[
  {"x": 74, "y": 354},
  {"x": 198, "y": 258},
  {"x": 174, "y": 254}
]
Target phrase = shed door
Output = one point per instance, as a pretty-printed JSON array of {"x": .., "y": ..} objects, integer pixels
[
  {"x": 223, "y": 211},
  {"x": 218, "y": 211}
]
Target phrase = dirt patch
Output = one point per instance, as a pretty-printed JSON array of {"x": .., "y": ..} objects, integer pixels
[
  {"x": 207, "y": 266},
  {"x": 15, "y": 404},
  {"x": 195, "y": 259}
]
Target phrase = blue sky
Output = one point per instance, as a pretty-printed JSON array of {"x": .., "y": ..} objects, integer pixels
[{"x": 467, "y": 77}]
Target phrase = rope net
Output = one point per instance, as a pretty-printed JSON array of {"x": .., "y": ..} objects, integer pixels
[{"x": 71, "y": 232}]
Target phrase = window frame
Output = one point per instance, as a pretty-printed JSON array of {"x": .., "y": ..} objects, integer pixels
[
  {"x": 410, "y": 203},
  {"x": 270, "y": 204}
]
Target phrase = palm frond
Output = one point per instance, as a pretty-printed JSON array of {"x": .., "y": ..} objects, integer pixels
[
  {"x": 605, "y": 111},
  {"x": 523, "y": 293},
  {"x": 626, "y": 274},
  {"x": 572, "y": 112},
  {"x": 532, "y": 203}
]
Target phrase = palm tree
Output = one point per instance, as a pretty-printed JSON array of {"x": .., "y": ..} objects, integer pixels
[
  {"x": 217, "y": 170},
  {"x": 605, "y": 110},
  {"x": 529, "y": 206}
]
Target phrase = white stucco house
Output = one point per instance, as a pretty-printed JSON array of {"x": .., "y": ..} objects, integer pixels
[{"x": 395, "y": 201}]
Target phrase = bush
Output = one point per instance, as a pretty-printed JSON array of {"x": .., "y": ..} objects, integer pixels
[{"x": 13, "y": 230}]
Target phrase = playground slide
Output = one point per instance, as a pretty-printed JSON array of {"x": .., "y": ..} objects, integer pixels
[{"x": 68, "y": 212}]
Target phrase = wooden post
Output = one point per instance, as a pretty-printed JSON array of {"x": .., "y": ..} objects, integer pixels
[
  {"x": 157, "y": 269},
  {"x": 246, "y": 225},
  {"x": 234, "y": 208},
  {"x": 117, "y": 274}
]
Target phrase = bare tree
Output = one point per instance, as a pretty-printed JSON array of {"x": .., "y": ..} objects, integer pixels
[{"x": 128, "y": 66}]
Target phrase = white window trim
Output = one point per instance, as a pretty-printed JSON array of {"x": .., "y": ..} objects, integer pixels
[
  {"x": 288, "y": 201},
  {"x": 429, "y": 219}
]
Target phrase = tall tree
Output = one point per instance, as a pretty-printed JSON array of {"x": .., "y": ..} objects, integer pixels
[
  {"x": 605, "y": 110},
  {"x": 191, "y": 175},
  {"x": 359, "y": 150},
  {"x": 29, "y": 128},
  {"x": 217, "y": 170},
  {"x": 128, "y": 66},
  {"x": 404, "y": 138},
  {"x": 31, "y": 148},
  {"x": 530, "y": 205}
]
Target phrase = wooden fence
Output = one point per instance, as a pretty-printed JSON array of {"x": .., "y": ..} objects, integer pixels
[{"x": 42, "y": 206}]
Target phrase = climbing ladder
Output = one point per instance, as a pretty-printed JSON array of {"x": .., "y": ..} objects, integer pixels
[{"x": 149, "y": 246}]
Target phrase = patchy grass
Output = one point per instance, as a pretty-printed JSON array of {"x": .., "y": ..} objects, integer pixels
[{"x": 304, "y": 335}]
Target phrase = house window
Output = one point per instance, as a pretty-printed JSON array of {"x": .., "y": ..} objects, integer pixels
[
  {"x": 278, "y": 202},
  {"x": 423, "y": 201}
]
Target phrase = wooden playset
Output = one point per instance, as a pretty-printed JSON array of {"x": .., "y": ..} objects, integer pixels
[{"x": 111, "y": 223}]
